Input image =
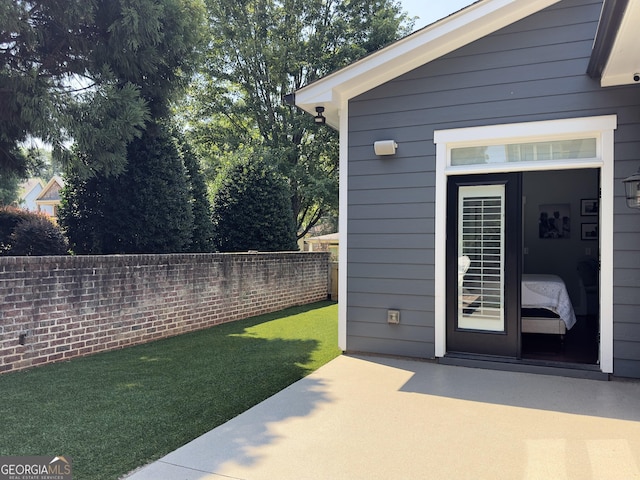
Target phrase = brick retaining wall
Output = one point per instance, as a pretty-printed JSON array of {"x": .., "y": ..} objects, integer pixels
[{"x": 64, "y": 307}]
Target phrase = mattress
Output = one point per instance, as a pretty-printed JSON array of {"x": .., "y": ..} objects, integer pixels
[{"x": 547, "y": 292}]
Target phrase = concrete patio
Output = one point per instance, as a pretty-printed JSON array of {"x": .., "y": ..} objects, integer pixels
[{"x": 386, "y": 418}]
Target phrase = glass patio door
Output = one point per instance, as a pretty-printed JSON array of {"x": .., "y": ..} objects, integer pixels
[{"x": 483, "y": 264}]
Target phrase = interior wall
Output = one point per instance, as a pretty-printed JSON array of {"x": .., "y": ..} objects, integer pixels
[{"x": 559, "y": 256}]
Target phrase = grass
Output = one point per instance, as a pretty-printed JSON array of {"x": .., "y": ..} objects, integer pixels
[{"x": 116, "y": 411}]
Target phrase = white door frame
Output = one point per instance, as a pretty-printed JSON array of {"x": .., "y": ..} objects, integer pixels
[{"x": 601, "y": 128}]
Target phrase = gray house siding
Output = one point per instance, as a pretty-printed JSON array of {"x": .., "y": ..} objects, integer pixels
[{"x": 532, "y": 70}]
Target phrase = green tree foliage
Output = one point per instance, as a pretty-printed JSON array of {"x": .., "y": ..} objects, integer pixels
[
  {"x": 43, "y": 164},
  {"x": 252, "y": 208},
  {"x": 91, "y": 73},
  {"x": 261, "y": 50},
  {"x": 27, "y": 233},
  {"x": 202, "y": 236},
  {"x": 147, "y": 209},
  {"x": 9, "y": 188}
]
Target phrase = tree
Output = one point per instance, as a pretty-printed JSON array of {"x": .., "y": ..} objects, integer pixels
[
  {"x": 147, "y": 209},
  {"x": 202, "y": 236},
  {"x": 251, "y": 208},
  {"x": 261, "y": 50},
  {"x": 92, "y": 73},
  {"x": 9, "y": 188},
  {"x": 42, "y": 162}
]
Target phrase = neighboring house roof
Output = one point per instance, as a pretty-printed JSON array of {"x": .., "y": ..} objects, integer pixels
[
  {"x": 51, "y": 191},
  {"x": 29, "y": 185},
  {"x": 616, "y": 57},
  {"x": 619, "y": 58},
  {"x": 29, "y": 191}
]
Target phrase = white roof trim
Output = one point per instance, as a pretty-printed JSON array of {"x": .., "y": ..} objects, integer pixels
[
  {"x": 55, "y": 179},
  {"x": 624, "y": 61},
  {"x": 425, "y": 45}
]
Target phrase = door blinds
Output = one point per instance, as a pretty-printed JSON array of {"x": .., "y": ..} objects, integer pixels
[{"x": 481, "y": 240}]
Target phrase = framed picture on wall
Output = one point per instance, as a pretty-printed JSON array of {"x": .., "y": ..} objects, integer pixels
[
  {"x": 589, "y": 207},
  {"x": 555, "y": 221},
  {"x": 589, "y": 231}
]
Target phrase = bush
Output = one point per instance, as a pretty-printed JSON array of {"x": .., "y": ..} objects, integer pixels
[
  {"x": 37, "y": 236},
  {"x": 202, "y": 236},
  {"x": 252, "y": 209},
  {"x": 27, "y": 233},
  {"x": 147, "y": 209},
  {"x": 10, "y": 217}
]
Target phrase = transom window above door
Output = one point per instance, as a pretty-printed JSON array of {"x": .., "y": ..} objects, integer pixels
[
  {"x": 581, "y": 148},
  {"x": 548, "y": 145}
]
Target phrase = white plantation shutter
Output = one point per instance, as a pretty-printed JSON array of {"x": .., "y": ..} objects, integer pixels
[{"x": 481, "y": 238}]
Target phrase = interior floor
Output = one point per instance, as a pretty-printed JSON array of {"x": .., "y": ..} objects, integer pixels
[{"x": 578, "y": 345}]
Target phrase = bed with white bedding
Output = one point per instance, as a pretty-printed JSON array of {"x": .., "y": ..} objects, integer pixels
[{"x": 541, "y": 294}]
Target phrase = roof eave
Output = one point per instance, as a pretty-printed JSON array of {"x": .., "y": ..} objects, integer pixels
[
  {"x": 419, "y": 48},
  {"x": 615, "y": 58},
  {"x": 611, "y": 18}
]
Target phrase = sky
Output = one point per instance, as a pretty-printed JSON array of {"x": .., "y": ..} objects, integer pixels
[{"x": 431, "y": 10}]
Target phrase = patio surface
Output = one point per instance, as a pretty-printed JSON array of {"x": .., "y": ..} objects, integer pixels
[{"x": 368, "y": 418}]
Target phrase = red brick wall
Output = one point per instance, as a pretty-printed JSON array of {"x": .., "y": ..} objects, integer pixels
[{"x": 64, "y": 307}]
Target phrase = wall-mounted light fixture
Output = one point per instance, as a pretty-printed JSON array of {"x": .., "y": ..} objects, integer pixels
[
  {"x": 385, "y": 147},
  {"x": 632, "y": 190},
  {"x": 320, "y": 119}
]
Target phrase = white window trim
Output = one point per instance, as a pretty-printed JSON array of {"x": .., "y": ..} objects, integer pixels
[{"x": 602, "y": 128}]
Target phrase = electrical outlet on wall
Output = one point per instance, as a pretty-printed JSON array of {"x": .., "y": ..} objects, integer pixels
[{"x": 393, "y": 316}]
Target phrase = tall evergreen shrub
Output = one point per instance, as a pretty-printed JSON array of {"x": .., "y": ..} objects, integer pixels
[
  {"x": 147, "y": 209},
  {"x": 252, "y": 208},
  {"x": 202, "y": 234}
]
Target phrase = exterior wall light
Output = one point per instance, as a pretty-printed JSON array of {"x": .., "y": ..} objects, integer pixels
[
  {"x": 632, "y": 190},
  {"x": 320, "y": 119},
  {"x": 385, "y": 147}
]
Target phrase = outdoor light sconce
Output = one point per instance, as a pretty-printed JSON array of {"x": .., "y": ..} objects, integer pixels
[
  {"x": 385, "y": 147},
  {"x": 632, "y": 190},
  {"x": 320, "y": 119}
]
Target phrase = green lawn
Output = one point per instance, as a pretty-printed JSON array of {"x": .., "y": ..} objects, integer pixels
[{"x": 116, "y": 411}]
